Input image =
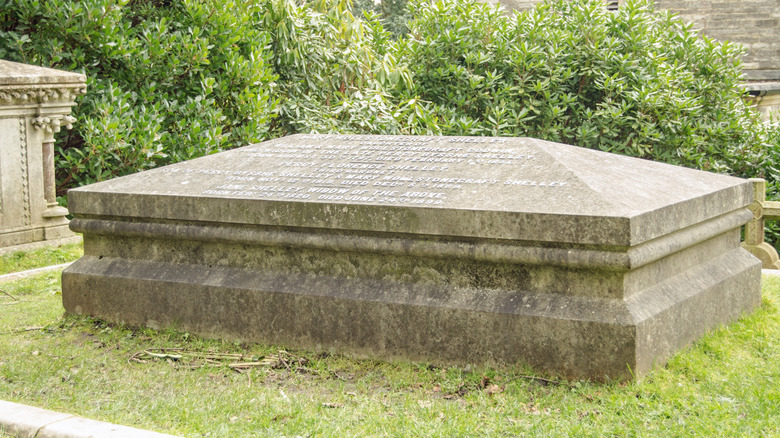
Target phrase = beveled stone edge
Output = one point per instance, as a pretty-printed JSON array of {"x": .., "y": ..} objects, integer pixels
[
  {"x": 602, "y": 230},
  {"x": 606, "y": 230},
  {"x": 559, "y": 305},
  {"x": 648, "y": 226},
  {"x": 90, "y": 284},
  {"x": 619, "y": 228},
  {"x": 21, "y": 74},
  {"x": 494, "y": 250},
  {"x": 404, "y": 245},
  {"x": 736, "y": 286},
  {"x": 24, "y": 420},
  {"x": 660, "y": 247}
]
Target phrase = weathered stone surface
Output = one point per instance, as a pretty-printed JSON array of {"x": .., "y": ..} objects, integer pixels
[
  {"x": 24, "y": 74},
  {"x": 449, "y": 249},
  {"x": 35, "y": 102}
]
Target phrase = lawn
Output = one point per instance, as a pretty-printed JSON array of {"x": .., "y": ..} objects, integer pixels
[
  {"x": 727, "y": 384},
  {"x": 47, "y": 256}
]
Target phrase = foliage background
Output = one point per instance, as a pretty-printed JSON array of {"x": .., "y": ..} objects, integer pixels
[{"x": 173, "y": 80}]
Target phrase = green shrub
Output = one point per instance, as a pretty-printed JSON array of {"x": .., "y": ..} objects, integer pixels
[
  {"x": 393, "y": 14},
  {"x": 336, "y": 72},
  {"x": 633, "y": 82},
  {"x": 331, "y": 69},
  {"x": 167, "y": 80}
]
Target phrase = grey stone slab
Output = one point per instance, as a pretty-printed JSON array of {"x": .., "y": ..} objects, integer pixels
[
  {"x": 14, "y": 73},
  {"x": 77, "y": 427},
  {"x": 446, "y": 249},
  {"x": 22, "y": 421},
  {"x": 509, "y": 189}
]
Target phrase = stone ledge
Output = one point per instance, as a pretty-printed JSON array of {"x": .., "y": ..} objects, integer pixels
[
  {"x": 497, "y": 250},
  {"x": 14, "y": 73},
  {"x": 761, "y": 89},
  {"x": 22, "y": 421}
]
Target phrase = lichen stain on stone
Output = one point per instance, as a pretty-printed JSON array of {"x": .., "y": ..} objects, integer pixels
[{"x": 426, "y": 276}]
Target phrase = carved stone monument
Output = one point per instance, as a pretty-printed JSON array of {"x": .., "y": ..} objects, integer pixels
[
  {"x": 35, "y": 102},
  {"x": 447, "y": 249}
]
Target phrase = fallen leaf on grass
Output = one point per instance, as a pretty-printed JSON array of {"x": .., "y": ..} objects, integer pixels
[
  {"x": 494, "y": 389},
  {"x": 333, "y": 405},
  {"x": 588, "y": 414}
]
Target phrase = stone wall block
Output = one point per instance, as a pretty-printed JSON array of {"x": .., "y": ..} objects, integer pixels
[{"x": 766, "y": 23}]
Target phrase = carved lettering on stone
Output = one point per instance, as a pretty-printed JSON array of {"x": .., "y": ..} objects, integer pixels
[{"x": 379, "y": 170}]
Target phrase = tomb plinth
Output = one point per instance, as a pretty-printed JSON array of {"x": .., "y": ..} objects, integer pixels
[
  {"x": 444, "y": 249},
  {"x": 35, "y": 102}
]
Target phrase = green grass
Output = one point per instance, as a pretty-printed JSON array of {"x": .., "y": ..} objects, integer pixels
[
  {"x": 47, "y": 256},
  {"x": 728, "y": 384}
]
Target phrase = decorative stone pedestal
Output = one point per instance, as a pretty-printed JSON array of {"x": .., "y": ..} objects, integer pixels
[
  {"x": 446, "y": 249},
  {"x": 35, "y": 103}
]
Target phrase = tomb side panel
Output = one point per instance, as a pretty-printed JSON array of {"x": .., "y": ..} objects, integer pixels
[
  {"x": 676, "y": 312},
  {"x": 363, "y": 318},
  {"x": 456, "y": 273},
  {"x": 14, "y": 185}
]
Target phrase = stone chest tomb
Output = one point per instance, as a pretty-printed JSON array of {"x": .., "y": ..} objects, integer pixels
[{"x": 446, "y": 249}]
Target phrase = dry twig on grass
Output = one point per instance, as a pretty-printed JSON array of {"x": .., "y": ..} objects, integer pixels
[
  {"x": 239, "y": 362},
  {"x": 6, "y": 293},
  {"x": 541, "y": 380}
]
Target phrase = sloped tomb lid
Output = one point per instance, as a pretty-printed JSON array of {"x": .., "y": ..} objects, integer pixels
[{"x": 503, "y": 188}]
